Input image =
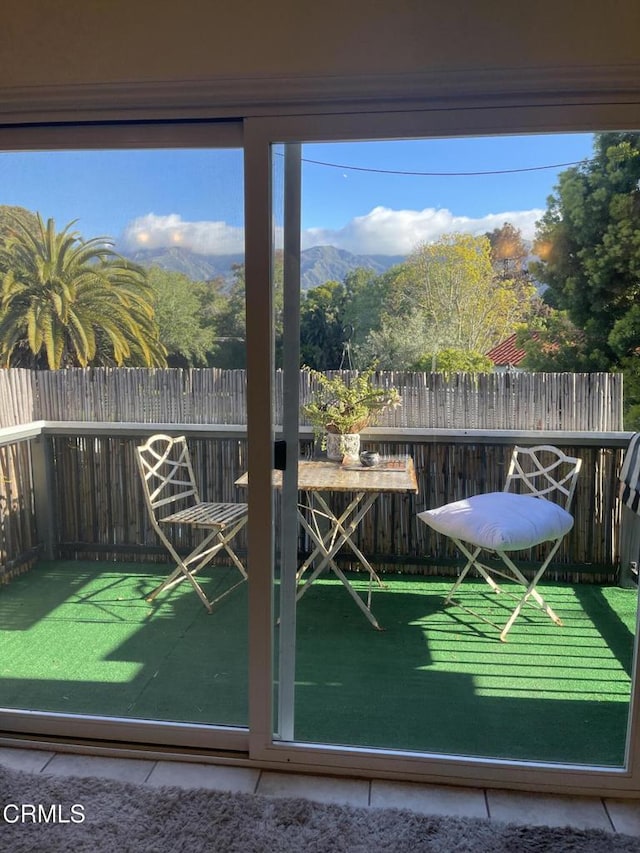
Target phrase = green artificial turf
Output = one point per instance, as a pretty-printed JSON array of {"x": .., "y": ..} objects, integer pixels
[
  {"x": 78, "y": 637},
  {"x": 439, "y": 680}
]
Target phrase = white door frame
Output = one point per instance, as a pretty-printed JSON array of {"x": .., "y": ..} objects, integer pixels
[
  {"x": 260, "y": 134},
  {"x": 151, "y": 135}
]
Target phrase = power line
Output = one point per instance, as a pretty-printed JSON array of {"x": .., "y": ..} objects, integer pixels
[{"x": 442, "y": 174}]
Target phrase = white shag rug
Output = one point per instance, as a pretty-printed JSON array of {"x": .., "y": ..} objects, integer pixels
[{"x": 59, "y": 814}]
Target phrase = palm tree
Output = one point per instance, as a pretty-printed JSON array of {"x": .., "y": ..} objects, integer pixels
[{"x": 68, "y": 302}]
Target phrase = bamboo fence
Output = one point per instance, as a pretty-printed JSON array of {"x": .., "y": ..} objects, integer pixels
[
  {"x": 564, "y": 401},
  {"x": 18, "y": 539},
  {"x": 16, "y": 397},
  {"x": 99, "y": 506},
  {"x": 102, "y": 514},
  {"x": 523, "y": 401}
]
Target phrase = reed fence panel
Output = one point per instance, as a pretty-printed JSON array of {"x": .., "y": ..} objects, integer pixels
[
  {"x": 523, "y": 401},
  {"x": 132, "y": 395},
  {"x": 519, "y": 401},
  {"x": 98, "y": 503},
  {"x": 19, "y": 547},
  {"x": 16, "y": 397},
  {"x": 102, "y": 513}
]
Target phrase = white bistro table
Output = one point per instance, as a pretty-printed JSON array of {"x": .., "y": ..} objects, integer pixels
[{"x": 318, "y": 479}]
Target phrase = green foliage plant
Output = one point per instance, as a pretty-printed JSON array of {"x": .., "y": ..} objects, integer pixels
[
  {"x": 588, "y": 243},
  {"x": 348, "y": 406},
  {"x": 183, "y": 310},
  {"x": 455, "y": 293},
  {"x": 455, "y": 361}
]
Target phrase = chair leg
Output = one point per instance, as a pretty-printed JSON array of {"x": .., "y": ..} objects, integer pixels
[
  {"x": 470, "y": 562},
  {"x": 224, "y": 541},
  {"x": 514, "y": 575},
  {"x": 179, "y": 574},
  {"x": 181, "y": 571},
  {"x": 204, "y": 555},
  {"x": 530, "y": 590},
  {"x": 184, "y": 574}
]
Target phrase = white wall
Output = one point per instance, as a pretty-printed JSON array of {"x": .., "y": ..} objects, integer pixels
[{"x": 63, "y": 42}]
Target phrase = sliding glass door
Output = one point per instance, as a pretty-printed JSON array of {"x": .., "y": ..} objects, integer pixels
[
  {"x": 153, "y": 344},
  {"x": 374, "y": 224},
  {"x": 363, "y": 669}
]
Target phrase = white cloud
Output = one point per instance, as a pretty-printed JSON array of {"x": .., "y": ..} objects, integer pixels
[
  {"x": 205, "y": 238},
  {"x": 382, "y": 231}
]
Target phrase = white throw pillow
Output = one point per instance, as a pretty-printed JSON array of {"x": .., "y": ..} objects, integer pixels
[{"x": 500, "y": 521}]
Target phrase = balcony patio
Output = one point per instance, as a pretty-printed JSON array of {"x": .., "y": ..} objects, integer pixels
[
  {"x": 79, "y": 555},
  {"x": 77, "y": 637}
]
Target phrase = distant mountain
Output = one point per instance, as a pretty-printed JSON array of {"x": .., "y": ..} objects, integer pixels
[
  {"x": 194, "y": 266},
  {"x": 317, "y": 265},
  {"x": 326, "y": 263}
]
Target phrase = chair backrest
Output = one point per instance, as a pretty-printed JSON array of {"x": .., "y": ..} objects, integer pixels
[
  {"x": 545, "y": 472},
  {"x": 166, "y": 471}
]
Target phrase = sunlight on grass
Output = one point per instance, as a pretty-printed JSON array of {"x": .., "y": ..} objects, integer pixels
[
  {"x": 79, "y": 638},
  {"x": 112, "y": 673},
  {"x": 540, "y": 660}
]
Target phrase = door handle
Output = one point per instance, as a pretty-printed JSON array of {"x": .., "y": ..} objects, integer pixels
[{"x": 280, "y": 455}]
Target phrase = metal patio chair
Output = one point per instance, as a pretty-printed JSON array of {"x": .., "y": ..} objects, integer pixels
[
  {"x": 523, "y": 515},
  {"x": 169, "y": 484}
]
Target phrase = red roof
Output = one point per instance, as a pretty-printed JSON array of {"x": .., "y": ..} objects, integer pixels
[{"x": 506, "y": 353}]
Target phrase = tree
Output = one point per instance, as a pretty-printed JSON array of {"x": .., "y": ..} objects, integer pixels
[
  {"x": 322, "y": 327},
  {"x": 185, "y": 312},
  {"x": 447, "y": 282},
  {"x": 508, "y": 252},
  {"x": 455, "y": 361},
  {"x": 447, "y": 296},
  {"x": 553, "y": 344},
  {"x": 231, "y": 325},
  {"x": 69, "y": 302},
  {"x": 231, "y": 321},
  {"x": 397, "y": 344},
  {"x": 365, "y": 295},
  {"x": 337, "y": 319},
  {"x": 588, "y": 242},
  {"x": 8, "y": 216},
  {"x": 624, "y": 339}
]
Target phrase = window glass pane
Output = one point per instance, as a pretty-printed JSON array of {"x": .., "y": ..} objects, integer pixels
[
  {"x": 123, "y": 306},
  {"x": 471, "y": 275}
]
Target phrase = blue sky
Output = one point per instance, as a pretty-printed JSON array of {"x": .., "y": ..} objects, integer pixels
[{"x": 194, "y": 197}]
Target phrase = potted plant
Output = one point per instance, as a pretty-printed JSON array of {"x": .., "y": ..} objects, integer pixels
[{"x": 340, "y": 409}]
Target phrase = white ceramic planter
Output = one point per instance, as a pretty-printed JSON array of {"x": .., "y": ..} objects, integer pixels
[{"x": 343, "y": 445}]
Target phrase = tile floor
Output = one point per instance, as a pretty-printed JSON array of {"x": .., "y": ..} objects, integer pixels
[{"x": 612, "y": 815}]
